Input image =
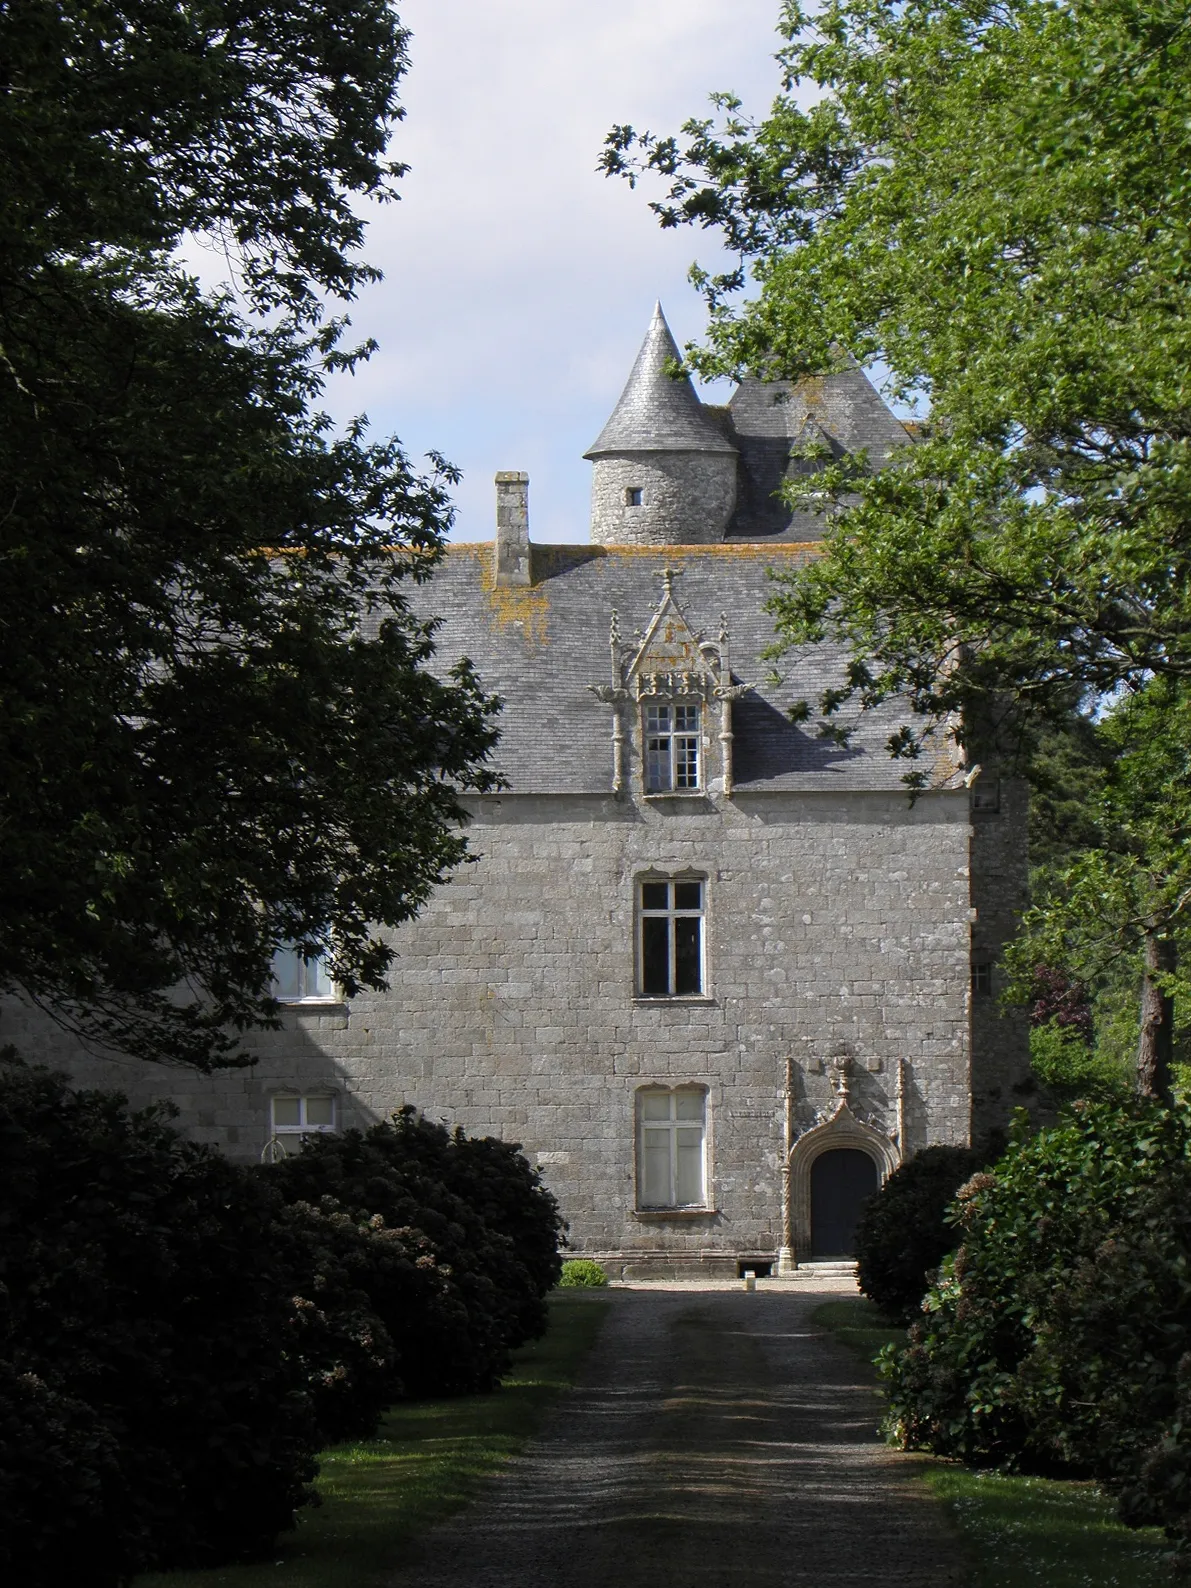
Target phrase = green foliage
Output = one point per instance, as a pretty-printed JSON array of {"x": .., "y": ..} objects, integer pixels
[
  {"x": 155, "y": 1404},
  {"x": 992, "y": 199},
  {"x": 179, "y": 1336},
  {"x": 1056, "y": 1336},
  {"x": 1069, "y": 1067},
  {"x": 221, "y": 734},
  {"x": 429, "y": 1459},
  {"x": 582, "y": 1273},
  {"x": 484, "y": 1230},
  {"x": 904, "y": 1232}
]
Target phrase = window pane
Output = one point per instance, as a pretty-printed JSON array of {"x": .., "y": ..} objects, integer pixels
[
  {"x": 688, "y": 966},
  {"x": 655, "y": 1105},
  {"x": 287, "y": 974},
  {"x": 689, "y": 1167},
  {"x": 655, "y": 956},
  {"x": 287, "y": 1112},
  {"x": 318, "y": 981},
  {"x": 688, "y": 1103},
  {"x": 320, "y": 1110},
  {"x": 688, "y": 895},
  {"x": 686, "y": 719},
  {"x": 655, "y": 1168},
  {"x": 657, "y": 765},
  {"x": 686, "y": 763},
  {"x": 655, "y": 895}
]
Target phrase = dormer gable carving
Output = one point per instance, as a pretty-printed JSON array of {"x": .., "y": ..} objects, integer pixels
[{"x": 671, "y": 693}]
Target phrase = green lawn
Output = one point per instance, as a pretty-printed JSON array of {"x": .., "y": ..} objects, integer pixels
[
  {"x": 428, "y": 1460},
  {"x": 1020, "y": 1530}
]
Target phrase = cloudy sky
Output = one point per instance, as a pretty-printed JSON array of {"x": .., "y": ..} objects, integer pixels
[{"x": 519, "y": 282}]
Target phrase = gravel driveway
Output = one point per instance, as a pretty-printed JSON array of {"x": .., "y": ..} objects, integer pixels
[{"x": 715, "y": 1438}]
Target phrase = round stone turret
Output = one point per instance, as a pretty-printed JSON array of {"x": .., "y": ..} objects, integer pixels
[{"x": 665, "y": 474}]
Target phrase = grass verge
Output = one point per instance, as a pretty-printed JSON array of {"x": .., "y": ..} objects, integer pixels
[
  {"x": 1020, "y": 1530},
  {"x": 428, "y": 1460}
]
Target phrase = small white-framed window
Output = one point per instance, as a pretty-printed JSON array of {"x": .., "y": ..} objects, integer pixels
[
  {"x": 672, "y": 754},
  {"x": 297, "y": 980},
  {"x": 672, "y": 1147},
  {"x": 293, "y": 1116},
  {"x": 670, "y": 937}
]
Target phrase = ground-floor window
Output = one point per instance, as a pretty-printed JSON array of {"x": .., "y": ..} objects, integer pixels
[
  {"x": 294, "y": 1116},
  {"x": 672, "y": 1147}
]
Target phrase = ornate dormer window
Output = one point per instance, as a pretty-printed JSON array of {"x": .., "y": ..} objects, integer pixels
[
  {"x": 673, "y": 690},
  {"x": 673, "y": 731}
]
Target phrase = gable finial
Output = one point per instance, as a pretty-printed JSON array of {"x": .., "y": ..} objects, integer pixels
[
  {"x": 614, "y": 631},
  {"x": 667, "y": 575}
]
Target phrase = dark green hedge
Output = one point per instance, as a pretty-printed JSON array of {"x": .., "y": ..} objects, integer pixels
[
  {"x": 1059, "y": 1335},
  {"x": 179, "y": 1336},
  {"x": 904, "y": 1233},
  {"x": 153, "y": 1398},
  {"x": 489, "y": 1231}
]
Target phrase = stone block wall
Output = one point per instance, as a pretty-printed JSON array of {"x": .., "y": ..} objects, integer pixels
[
  {"x": 1000, "y": 892},
  {"x": 686, "y": 498},
  {"x": 834, "y": 922}
]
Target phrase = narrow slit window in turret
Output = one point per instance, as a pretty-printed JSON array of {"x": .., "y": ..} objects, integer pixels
[
  {"x": 670, "y": 942},
  {"x": 671, "y": 747}
]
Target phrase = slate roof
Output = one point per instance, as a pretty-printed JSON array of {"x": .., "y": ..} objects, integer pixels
[
  {"x": 541, "y": 646},
  {"x": 656, "y": 412},
  {"x": 842, "y": 412}
]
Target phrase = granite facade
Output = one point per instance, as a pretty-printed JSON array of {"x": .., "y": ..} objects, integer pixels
[
  {"x": 685, "y": 498},
  {"x": 841, "y": 919}
]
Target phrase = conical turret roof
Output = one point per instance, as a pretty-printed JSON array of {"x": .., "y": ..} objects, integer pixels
[{"x": 656, "y": 412}]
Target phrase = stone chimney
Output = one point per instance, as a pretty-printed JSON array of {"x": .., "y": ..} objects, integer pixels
[{"x": 512, "y": 527}]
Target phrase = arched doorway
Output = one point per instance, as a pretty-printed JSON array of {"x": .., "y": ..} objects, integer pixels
[{"x": 842, "y": 1180}]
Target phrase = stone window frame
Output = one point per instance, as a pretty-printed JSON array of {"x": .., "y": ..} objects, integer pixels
[
  {"x": 671, "y": 912},
  {"x": 672, "y": 1126},
  {"x": 634, "y": 496}
]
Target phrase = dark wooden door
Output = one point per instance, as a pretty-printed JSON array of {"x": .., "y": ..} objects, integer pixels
[{"x": 841, "y": 1182}]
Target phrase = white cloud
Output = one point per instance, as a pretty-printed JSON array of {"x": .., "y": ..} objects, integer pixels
[{"x": 518, "y": 281}]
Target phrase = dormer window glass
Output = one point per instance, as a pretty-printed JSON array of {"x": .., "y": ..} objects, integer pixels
[{"x": 672, "y": 733}]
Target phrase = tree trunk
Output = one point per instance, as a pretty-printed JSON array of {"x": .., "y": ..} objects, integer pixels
[{"x": 1155, "y": 1050}]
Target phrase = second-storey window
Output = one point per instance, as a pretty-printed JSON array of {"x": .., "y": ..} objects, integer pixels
[
  {"x": 672, "y": 730},
  {"x": 670, "y": 938},
  {"x": 297, "y": 980}
]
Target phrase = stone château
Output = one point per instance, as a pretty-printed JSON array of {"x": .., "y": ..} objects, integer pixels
[{"x": 718, "y": 975}]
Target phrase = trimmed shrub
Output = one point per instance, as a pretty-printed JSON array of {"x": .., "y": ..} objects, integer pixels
[
  {"x": 480, "y": 1223},
  {"x": 1059, "y": 1333},
  {"x": 582, "y": 1273},
  {"x": 904, "y": 1232},
  {"x": 154, "y": 1408}
]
